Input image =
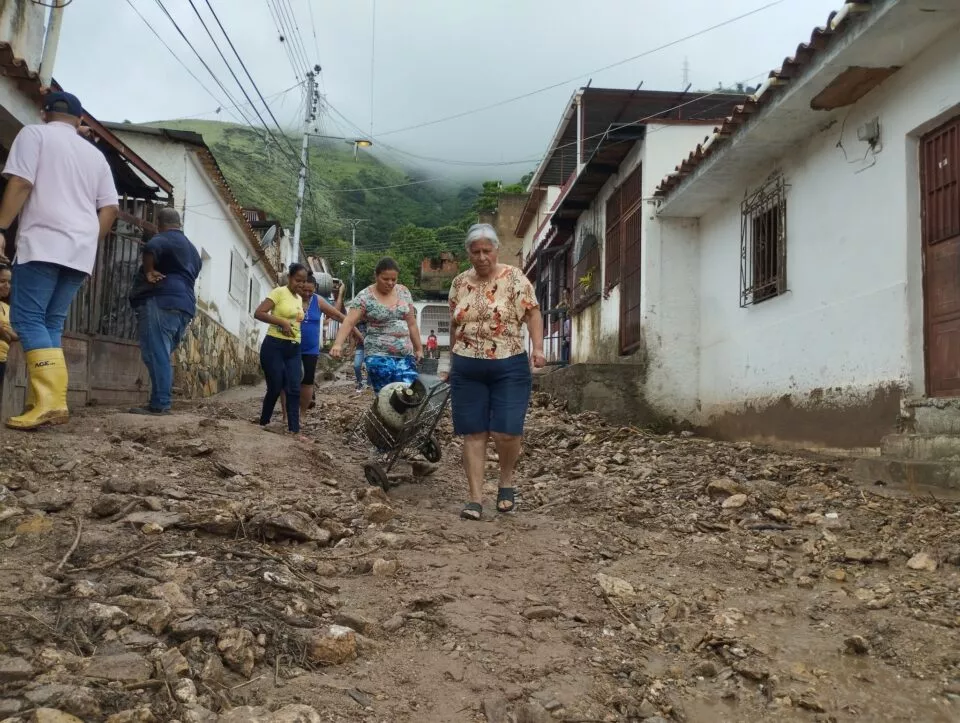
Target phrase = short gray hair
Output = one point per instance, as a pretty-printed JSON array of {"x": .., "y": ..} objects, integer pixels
[
  {"x": 480, "y": 231},
  {"x": 168, "y": 217}
]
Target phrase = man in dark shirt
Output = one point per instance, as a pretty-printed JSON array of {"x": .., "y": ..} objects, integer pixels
[{"x": 171, "y": 265}]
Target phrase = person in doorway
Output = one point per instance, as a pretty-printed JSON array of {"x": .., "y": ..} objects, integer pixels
[
  {"x": 358, "y": 355},
  {"x": 314, "y": 309},
  {"x": 62, "y": 188},
  {"x": 490, "y": 379},
  {"x": 280, "y": 350},
  {"x": 7, "y": 334},
  {"x": 392, "y": 346},
  {"x": 433, "y": 349},
  {"x": 166, "y": 306}
]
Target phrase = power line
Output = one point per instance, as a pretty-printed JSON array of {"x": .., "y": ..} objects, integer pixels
[
  {"x": 204, "y": 63},
  {"x": 279, "y": 94},
  {"x": 284, "y": 9},
  {"x": 245, "y": 70},
  {"x": 287, "y": 46},
  {"x": 553, "y": 86},
  {"x": 185, "y": 67}
]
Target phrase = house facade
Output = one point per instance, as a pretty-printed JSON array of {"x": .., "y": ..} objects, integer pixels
[
  {"x": 100, "y": 336},
  {"x": 819, "y": 236},
  {"x": 799, "y": 270},
  {"x": 588, "y": 257},
  {"x": 220, "y": 348}
]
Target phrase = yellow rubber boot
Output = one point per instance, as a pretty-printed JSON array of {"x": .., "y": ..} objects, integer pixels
[
  {"x": 31, "y": 401},
  {"x": 47, "y": 375}
]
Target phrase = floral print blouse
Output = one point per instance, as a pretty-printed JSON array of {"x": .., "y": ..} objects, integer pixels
[
  {"x": 387, "y": 332},
  {"x": 489, "y": 314}
]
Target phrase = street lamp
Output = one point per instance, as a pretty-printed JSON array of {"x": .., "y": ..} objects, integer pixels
[{"x": 357, "y": 143}]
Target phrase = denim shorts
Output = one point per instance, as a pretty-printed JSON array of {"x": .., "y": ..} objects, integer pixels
[{"x": 489, "y": 395}]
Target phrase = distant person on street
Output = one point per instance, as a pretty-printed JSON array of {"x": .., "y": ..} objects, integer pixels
[
  {"x": 280, "y": 350},
  {"x": 165, "y": 305},
  {"x": 314, "y": 309},
  {"x": 7, "y": 334},
  {"x": 358, "y": 355},
  {"x": 433, "y": 349},
  {"x": 392, "y": 346},
  {"x": 63, "y": 190},
  {"x": 490, "y": 379}
]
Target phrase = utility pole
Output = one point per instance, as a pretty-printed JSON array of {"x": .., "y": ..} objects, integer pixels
[
  {"x": 54, "y": 21},
  {"x": 311, "y": 115},
  {"x": 354, "y": 222}
]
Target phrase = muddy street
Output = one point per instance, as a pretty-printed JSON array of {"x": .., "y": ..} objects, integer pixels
[{"x": 197, "y": 568}]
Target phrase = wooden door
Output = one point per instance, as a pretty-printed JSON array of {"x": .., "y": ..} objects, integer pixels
[
  {"x": 631, "y": 327},
  {"x": 940, "y": 212}
]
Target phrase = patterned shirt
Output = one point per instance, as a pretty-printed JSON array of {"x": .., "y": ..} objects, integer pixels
[
  {"x": 489, "y": 315},
  {"x": 387, "y": 331}
]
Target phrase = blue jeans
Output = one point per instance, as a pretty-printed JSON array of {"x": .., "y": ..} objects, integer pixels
[
  {"x": 281, "y": 364},
  {"x": 40, "y": 300},
  {"x": 160, "y": 333},
  {"x": 358, "y": 365}
]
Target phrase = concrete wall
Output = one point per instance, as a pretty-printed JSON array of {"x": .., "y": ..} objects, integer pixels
[
  {"x": 543, "y": 211},
  {"x": 213, "y": 228},
  {"x": 613, "y": 390},
  {"x": 23, "y": 26},
  {"x": 505, "y": 220}
]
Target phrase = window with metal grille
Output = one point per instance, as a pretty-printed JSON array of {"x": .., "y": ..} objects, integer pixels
[
  {"x": 622, "y": 205},
  {"x": 435, "y": 317},
  {"x": 238, "y": 278},
  {"x": 763, "y": 243}
]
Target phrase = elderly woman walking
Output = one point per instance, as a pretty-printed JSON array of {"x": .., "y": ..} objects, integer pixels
[
  {"x": 490, "y": 376},
  {"x": 392, "y": 346}
]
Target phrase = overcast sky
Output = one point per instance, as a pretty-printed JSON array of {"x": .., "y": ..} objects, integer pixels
[{"x": 432, "y": 58}]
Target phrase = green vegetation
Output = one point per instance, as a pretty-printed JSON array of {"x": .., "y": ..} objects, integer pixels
[{"x": 407, "y": 220}]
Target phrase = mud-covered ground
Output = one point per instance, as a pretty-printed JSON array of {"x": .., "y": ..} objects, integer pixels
[{"x": 197, "y": 568}]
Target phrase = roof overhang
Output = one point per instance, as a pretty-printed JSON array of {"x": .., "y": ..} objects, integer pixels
[
  {"x": 530, "y": 208},
  {"x": 858, "y": 49},
  {"x": 592, "y": 112}
]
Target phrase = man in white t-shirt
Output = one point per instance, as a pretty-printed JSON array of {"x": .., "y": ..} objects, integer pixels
[{"x": 62, "y": 188}]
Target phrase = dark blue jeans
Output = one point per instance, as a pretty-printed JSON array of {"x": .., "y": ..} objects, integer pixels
[
  {"x": 160, "y": 333},
  {"x": 39, "y": 302},
  {"x": 281, "y": 365}
]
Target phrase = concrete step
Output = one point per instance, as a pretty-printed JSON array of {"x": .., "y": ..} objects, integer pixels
[
  {"x": 902, "y": 472},
  {"x": 930, "y": 415},
  {"x": 924, "y": 447}
]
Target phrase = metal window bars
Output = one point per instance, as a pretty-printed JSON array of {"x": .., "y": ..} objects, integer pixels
[{"x": 763, "y": 243}]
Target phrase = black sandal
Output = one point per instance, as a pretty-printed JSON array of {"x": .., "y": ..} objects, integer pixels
[
  {"x": 472, "y": 511},
  {"x": 508, "y": 495}
]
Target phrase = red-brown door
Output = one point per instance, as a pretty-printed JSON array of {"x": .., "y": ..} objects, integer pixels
[
  {"x": 631, "y": 326},
  {"x": 940, "y": 189}
]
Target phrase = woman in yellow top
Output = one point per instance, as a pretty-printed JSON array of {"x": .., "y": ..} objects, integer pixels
[
  {"x": 7, "y": 334},
  {"x": 280, "y": 351}
]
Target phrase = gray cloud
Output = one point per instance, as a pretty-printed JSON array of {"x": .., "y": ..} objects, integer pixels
[{"x": 433, "y": 58}]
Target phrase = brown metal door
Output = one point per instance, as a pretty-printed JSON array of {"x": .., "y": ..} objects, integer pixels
[
  {"x": 940, "y": 188},
  {"x": 631, "y": 331}
]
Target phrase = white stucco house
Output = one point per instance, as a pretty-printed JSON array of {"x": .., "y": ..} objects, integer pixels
[
  {"x": 797, "y": 276},
  {"x": 584, "y": 250},
  {"x": 237, "y": 271}
]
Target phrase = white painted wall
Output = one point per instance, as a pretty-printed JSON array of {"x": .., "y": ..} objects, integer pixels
[
  {"x": 543, "y": 211},
  {"x": 16, "y": 110},
  {"x": 596, "y": 330},
  {"x": 213, "y": 228},
  {"x": 852, "y": 318}
]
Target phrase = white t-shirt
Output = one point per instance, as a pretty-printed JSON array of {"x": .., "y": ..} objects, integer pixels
[{"x": 71, "y": 182}]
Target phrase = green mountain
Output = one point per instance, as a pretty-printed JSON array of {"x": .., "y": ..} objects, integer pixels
[{"x": 340, "y": 186}]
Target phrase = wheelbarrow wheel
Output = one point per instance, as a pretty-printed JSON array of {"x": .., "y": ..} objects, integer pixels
[
  {"x": 431, "y": 450},
  {"x": 375, "y": 476}
]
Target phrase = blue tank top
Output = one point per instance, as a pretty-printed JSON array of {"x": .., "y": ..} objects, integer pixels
[{"x": 310, "y": 328}]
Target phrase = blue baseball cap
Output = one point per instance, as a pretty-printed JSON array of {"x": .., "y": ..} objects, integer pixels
[{"x": 60, "y": 102}]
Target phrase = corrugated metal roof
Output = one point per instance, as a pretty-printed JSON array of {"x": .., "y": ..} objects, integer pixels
[{"x": 821, "y": 39}]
